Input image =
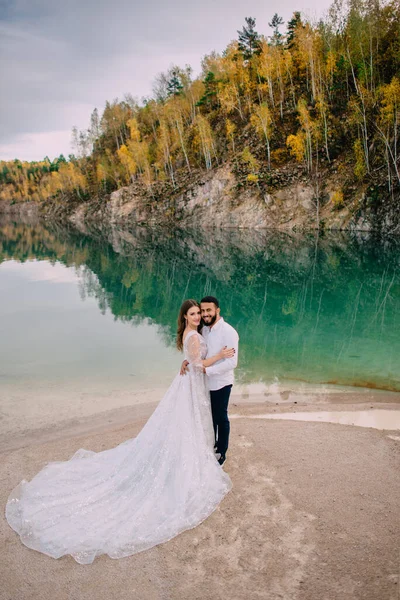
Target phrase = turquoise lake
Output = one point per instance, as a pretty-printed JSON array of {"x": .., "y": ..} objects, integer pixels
[{"x": 99, "y": 308}]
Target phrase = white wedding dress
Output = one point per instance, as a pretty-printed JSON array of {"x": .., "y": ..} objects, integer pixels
[{"x": 137, "y": 495}]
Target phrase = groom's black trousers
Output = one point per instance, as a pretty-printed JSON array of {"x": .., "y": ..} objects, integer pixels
[{"x": 219, "y": 409}]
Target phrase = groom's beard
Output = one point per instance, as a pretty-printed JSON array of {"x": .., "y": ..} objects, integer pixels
[{"x": 210, "y": 322}]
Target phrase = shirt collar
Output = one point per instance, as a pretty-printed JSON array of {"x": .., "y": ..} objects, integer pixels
[{"x": 217, "y": 324}]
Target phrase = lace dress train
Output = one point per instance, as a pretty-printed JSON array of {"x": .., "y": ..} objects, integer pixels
[{"x": 139, "y": 494}]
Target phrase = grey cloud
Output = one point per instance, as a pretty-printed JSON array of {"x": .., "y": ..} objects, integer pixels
[{"x": 61, "y": 59}]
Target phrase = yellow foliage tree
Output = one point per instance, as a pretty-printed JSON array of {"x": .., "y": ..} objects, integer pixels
[
  {"x": 126, "y": 158},
  {"x": 297, "y": 145},
  {"x": 164, "y": 149},
  {"x": 389, "y": 122},
  {"x": 359, "y": 168},
  {"x": 248, "y": 158},
  {"x": 261, "y": 120},
  {"x": 204, "y": 139},
  {"x": 230, "y": 132},
  {"x": 134, "y": 131}
]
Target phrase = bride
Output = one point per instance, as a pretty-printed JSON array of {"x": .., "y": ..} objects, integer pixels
[{"x": 144, "y": 491}]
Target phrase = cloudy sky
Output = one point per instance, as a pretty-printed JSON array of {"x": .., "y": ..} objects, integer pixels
[{"x": 60, "y": 59}]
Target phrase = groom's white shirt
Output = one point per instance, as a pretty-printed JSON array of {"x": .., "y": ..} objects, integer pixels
[{"x": 219, "y": 335}]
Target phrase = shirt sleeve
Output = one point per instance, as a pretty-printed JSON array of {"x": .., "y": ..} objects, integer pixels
[{"x": 226, "y": 364}]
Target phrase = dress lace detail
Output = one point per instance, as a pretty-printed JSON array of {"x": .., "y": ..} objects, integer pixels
[{"x": 132, "y": 497}]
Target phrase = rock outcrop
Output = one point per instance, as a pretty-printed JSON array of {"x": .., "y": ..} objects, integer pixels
[{"x": 214, "y": 200}]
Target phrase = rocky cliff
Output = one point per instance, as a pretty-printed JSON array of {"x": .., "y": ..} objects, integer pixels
[{"x": 215, "y": 200}]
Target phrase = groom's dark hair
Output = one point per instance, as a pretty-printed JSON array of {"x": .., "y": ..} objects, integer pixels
[{"x": 210, "y": 299}]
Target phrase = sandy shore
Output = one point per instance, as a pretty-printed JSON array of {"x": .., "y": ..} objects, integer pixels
[{"x": 314, "y": 512}]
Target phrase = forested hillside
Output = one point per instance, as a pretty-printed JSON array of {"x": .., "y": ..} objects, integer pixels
[{"x": 324, "y": 95}]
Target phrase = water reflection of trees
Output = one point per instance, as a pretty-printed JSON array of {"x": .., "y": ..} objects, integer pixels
[{"x": 322, "y": 309}]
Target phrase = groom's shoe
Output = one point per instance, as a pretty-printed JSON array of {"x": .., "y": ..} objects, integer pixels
[{"x": 222, "y": 459}]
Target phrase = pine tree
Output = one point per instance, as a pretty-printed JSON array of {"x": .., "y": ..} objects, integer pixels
[
  {"x": 292, "y": 25},
  {"x": 209, "y": 98},
  {"x": 174, "y": 85},
  {"x": 277, "y": 21},
  {"x": 249, "y": 39}
]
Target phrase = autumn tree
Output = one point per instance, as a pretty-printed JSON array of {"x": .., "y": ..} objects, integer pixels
[
  {"x": 330, "y": 89},
  {"x": 388, "y": 125},
  {"x": 204, "y": 139},
  {"x": 261, "y": 119}
]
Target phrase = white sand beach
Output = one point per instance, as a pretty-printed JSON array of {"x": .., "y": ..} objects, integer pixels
[{"x": 314, "y": 511}]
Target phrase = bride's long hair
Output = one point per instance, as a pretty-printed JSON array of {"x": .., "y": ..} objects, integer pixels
[{"x": 181, "y": 321}]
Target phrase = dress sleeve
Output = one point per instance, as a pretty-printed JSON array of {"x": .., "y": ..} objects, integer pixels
[{"x": 194, "y": 351}]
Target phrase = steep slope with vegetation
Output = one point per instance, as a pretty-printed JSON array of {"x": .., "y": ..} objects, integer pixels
[{"x": 318, "y": 103}]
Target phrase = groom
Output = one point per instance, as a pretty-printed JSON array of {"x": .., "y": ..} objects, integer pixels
[{"x": 217, "y": 334}]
